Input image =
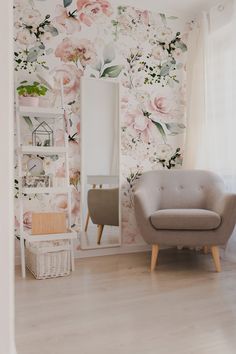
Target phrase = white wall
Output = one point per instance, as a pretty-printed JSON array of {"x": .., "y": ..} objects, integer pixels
[{"x": 6, "y": 182}]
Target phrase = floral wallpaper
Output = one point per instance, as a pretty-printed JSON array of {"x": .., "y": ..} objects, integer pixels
[{"x": 145, "y": 51}]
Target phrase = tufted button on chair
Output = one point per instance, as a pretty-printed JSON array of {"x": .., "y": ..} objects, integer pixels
[{"x": 184, "y": 208}]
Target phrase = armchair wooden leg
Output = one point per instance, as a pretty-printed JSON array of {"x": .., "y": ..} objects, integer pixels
[
  {"x": 86, "y": 222},
  {"x": 100, "y": 230},
  {"x": 216, "y": 257},
  {"x": 155, "y": 250},
  {"x": 205, "y": 249}
]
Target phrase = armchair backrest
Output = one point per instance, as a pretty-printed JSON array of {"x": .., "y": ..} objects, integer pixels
[
  {"x": 103, "y": 206},
  {"x": 182, "y": 189}
]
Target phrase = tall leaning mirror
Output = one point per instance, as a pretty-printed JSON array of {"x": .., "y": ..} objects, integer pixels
[{"x": 100, "y": 164}]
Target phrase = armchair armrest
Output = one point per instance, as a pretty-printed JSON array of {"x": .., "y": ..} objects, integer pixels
[
  {"x": 146, "y": 203},
  {"x": 225, "y": 204}
]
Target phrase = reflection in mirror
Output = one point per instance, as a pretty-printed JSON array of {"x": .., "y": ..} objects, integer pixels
[{"x": 100, "y": 146}]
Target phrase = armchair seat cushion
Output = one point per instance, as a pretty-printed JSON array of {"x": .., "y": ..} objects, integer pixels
[{"x": 185, "y": 219}]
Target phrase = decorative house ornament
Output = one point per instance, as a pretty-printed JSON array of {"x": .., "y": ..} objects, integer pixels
[{"x": 43, "y": 135}]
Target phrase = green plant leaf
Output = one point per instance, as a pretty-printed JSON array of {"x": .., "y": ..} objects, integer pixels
[
  {"x": 33, "y": 54},
  {"x": 109, "y": 53},
  {"x": 49, "y": 51},
  {"x": 112, "y": 71},
  {"x": 172, "y": 18},
  {"x": 181, "y": 45},
  {"x": 28, "y": 122},
  {"x": 165, "y": 69},
  {"x": 54, "y": 32},
  {"x": 163, "y": 18},
  {"x": 67, "y": 3},
  {"x": 175, "y": 128},
  {"x": 97, "y": 66},
  {"x": 160, "y": 129}
]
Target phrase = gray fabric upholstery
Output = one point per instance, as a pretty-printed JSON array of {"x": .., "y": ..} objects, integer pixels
[
  {"x": 185, "y": 219},
  {"x": 183, "y": 189},
  {"x": 103, "y": 206}
]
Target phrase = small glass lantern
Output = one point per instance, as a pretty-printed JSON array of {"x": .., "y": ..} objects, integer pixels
[{"x": 43, "y": 135}]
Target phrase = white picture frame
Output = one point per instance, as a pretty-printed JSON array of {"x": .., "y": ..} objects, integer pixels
[{"x": 43, "y": 181}]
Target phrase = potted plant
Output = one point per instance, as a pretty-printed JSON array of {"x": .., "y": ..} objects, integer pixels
[{"x": 29, "y": 93}]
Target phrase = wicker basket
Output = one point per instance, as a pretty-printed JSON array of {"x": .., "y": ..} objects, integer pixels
[{"x": 49, "y": 259}]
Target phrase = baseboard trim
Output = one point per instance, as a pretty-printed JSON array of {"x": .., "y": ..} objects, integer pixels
[{"x": 124, "y": 249}]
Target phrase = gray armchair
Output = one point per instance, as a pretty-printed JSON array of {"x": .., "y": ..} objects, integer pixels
[
  {"x": 184, "y": 208},
  {"x": 103, "y": 206}
]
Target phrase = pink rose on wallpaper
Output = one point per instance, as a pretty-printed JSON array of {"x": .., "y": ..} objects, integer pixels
[
  {"x": 31, "y": 17},
  {"x": 144, "y": 16},
  {"x": 159, "y": 53},
  {"x": 161, "y": 108},
  {"x": 91, "y": 10},
  {"x": 141, "y": 125},
  {"x": 73, "y": 50},
  {"x": 70, "y": 75},
  {"x": 78, "y": 128},
  {"x": 25, "y": 38},
  {"x": 65, "y": 22},
  {"x": 74, "y": 154},
  {"x": 27, "y": 219},
  {"x": 59, "y": 137},
  {"x": 59, "y": 203},
  {"x": 60, "y": 171},
  {"x": 75, "y": 208}
]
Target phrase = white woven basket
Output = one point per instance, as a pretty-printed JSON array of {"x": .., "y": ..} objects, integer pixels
[{"x": 49, "y": 259}]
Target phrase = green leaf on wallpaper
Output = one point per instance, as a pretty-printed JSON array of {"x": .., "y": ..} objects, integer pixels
[
  {"x": 49, "y": 51},
  {"x": 97, "y": 66},
  {"x": 181, "y": 45},
  {"x": 175, "y": 128},
  {"x": 33, "y": 54},
  {"x": 160, "y": 129},
  {"x": 172, "y": 18},
  {"x": 28, "y": 122},
  {"x": 49, "y": 28},
  {"x": 67, "y": 2},
  {"x": 112, "y": 71},
  {"x": 165, "y": 69},
  {"x": 109, "y": 53},
  {"x": 163, "y": 18},
  {"x": 40, "y": 46}
]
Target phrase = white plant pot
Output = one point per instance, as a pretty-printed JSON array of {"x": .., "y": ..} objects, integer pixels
[
  {"x": 44, "y": 102},
  {"x": 29, "y": 101}
]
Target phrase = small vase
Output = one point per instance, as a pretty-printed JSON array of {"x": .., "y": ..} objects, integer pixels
[{"x": 29, "y": 101}]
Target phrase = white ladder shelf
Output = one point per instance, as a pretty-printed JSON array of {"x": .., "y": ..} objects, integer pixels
[{"x": 41, "y": 150}]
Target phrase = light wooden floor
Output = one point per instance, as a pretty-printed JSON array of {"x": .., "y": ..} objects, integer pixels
[{"x": 112, "y": 305}]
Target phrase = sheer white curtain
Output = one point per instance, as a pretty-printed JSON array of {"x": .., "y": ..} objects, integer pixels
[
  {"x": 214, "y": 132},
  {"x": 196, "y": 87}
]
